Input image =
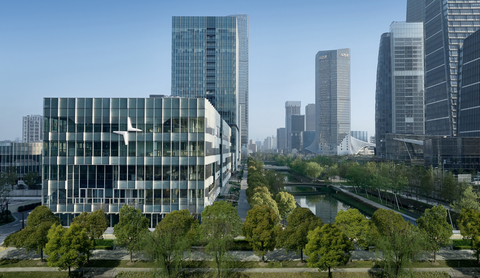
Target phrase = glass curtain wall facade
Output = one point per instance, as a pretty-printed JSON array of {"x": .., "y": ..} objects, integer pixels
[
  {"x": 298, "y": 127},
  {"x": 383, "y": 95},
  {"x": 415, "y": 10},
  {"x": 157, "y": 154},
  {"x": 407, "y": 78},
  {"x": 291, "y": 108},
  {"x": 281, "y": 139},
  {"x": 332, "y": 101},
  {"x": 210, "y": 59},
  {"x": 447, "y": 24},
  {"x": 469, "y": 97},
  {"x": 23, "y": 157},
  {"x": 310, "y": 117}
]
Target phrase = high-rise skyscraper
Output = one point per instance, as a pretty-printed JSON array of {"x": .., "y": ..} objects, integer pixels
[
  {"x": 469, "y": 83},
  {"x": 332, "y": 101},
  {"x": 298, "y": 127},
  {"x": 399, "y": 105},
  {"x": 447, "y": 24},
  {"x": 291, "y": 108},
  {"x": 415, "y": 10},
  {"x": 210, "y": 59},
  {"x": 310, "y": 117},
  {"x": 32, "y": 130},
  {"x": 281, "y": 139}
]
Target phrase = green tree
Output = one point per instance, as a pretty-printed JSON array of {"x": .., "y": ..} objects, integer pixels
[
  {"x": 354, "y": 225},
  {"x": 171, "y": 238},
  {"x": 262, "y": 196},
  {"x": 469, "y": 224},
  {"x": 313, "y": 170},
  {"x": 94, "y": 223},
  {"x": 437, "y": 230},
  {"x": 34, "y": 236},
  {"x": 67, "y": 248},
  {"x": 220, "y": 225},
  {"x": 286, "y": 204},
  {"x": 128, "y": 230},
  {"x": 328, "y": 247},
  {"x": 31, "y": 180},
  {"x": 398, "y": 240},
  {"x": 275, "y": 181},
  {"x": 467, "y": 200},
  {"x": 261, "y": 229},
  {"x": 294, "y": 236}
]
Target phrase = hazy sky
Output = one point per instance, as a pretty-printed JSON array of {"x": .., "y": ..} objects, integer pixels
[{"x": 123, "y": 49}]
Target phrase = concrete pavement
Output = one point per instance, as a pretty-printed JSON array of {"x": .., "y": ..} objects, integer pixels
[{"x": 243, "y": 205}]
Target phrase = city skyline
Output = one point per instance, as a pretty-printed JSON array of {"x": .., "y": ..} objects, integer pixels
[{"x": 57, "y": 49}]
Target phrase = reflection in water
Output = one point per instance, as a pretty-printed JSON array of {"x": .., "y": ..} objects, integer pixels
[{"x": 322, "y": 205}]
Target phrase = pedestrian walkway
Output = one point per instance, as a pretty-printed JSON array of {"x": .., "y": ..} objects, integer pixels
[{"x": 243, "y": 205}]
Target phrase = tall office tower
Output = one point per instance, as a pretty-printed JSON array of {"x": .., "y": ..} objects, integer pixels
[
  {"x": 210, "y": 59},
  {"x": 291, "y": 108},
  {"x": 298, "y": 127},
  {"x": 383, "y": 95},
  {"x": 32, "y": 130},
  {"x": 469, "y": 86},
  {"x": 332, "y": 102},
  {"x": 447, "y": 24},
  {"x": 415, "y": 10},
  {"x": 400, "y": 89},
  {"x": 310, "y": 117},
  {"x": 281, "y": 139}
]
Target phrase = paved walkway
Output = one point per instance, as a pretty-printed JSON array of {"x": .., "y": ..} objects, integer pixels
[{"x": 243, "y": 205}]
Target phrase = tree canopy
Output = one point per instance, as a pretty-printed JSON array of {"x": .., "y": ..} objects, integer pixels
[
  {"x": 94, "y": 223},
  {"x": 437, "y": 230},
  {"x": 468, "y": 200},
  {"x": 129, "y": 229},
  {"x": 67, "y": 248},
  {"x": 328, "y": 247},
  {"x": 294, "y": 236},
  {"x": 285, "y": 203},
  {"x": 262, "y": 196},
  {"x": 354, "y": 225},
  {"x": 261, "y": 229},
  {"x": 469, "y": 224}
]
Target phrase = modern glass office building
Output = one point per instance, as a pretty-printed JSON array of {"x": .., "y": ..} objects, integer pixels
[
  {"x": 158, "y": 154},
  {"x": 210, "y": 59},
  {"x": 469, "y": 84},
  {"x": 310, "y": 117},
  {"x": 23, "y": 157},
  {"x": 332, "y": 101},
  {"x": 447, "y": 24},
  {"x": 415, "y": 10},
  {"x": 32, "y": 128},
  {"x": 291, "y": 108}
]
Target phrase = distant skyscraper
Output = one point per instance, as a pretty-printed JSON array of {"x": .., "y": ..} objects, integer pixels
[
  {"x": 298, "y": 127},
  {"x": 383, "y": 95},
  {"x": 210, "y": 59},
  {"x": 291, "y": 108},
  {"x": 32, "y": 130},
  {"x": 447, "y": 24},
  {"x": 415, "y": 10},
  {"x": 469, "y": 85},
  {"x": 360, "y": 135},
  {"x": 332, "y": 101},
  {"x": 310, "y": 117},
  {"x": 281, "y": 139}
]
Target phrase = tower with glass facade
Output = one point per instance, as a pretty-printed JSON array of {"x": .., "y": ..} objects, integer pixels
[
  {"x": 310, "y": 117},
  {"x": 32, "y": 129},
  {"x": 447, "y": 24},
  {"x": 210, "y": 60},
  {"x": 291, "y": 108},
  {"x": 158, "y": 154},
  {"x": 332, "y": 102}
]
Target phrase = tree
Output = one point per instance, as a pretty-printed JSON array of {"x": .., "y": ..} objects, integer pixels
[
  {"x": 437, "y": 230},
  {"x": 398, "y": 240},
  {"x": 294, "y": 236},
  {"x": 31, "y": 179},
  {"x": 95, "y": 223},
  {"x": 275, "y": 181},
  {"x": 131, "y": 226},
  {"x": 313, "y": 170},
  {"x": 262, "y": 196},
  {"x": 261, "y": 229},
  {"x": 171, "y": 238},
  {"x": 354, "y": 225},
  {"x": 67, "y": 248},
  {"x": 468, "y": 200},
  {"x": 328, "y": 247},
  {"x": 11, "y": 176},
  {"x": 286, "y": 204},
  {"x": 220, "y": 225},
  {"x": 34, "y": 236},
  {"x": 469, "y": 224}
]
